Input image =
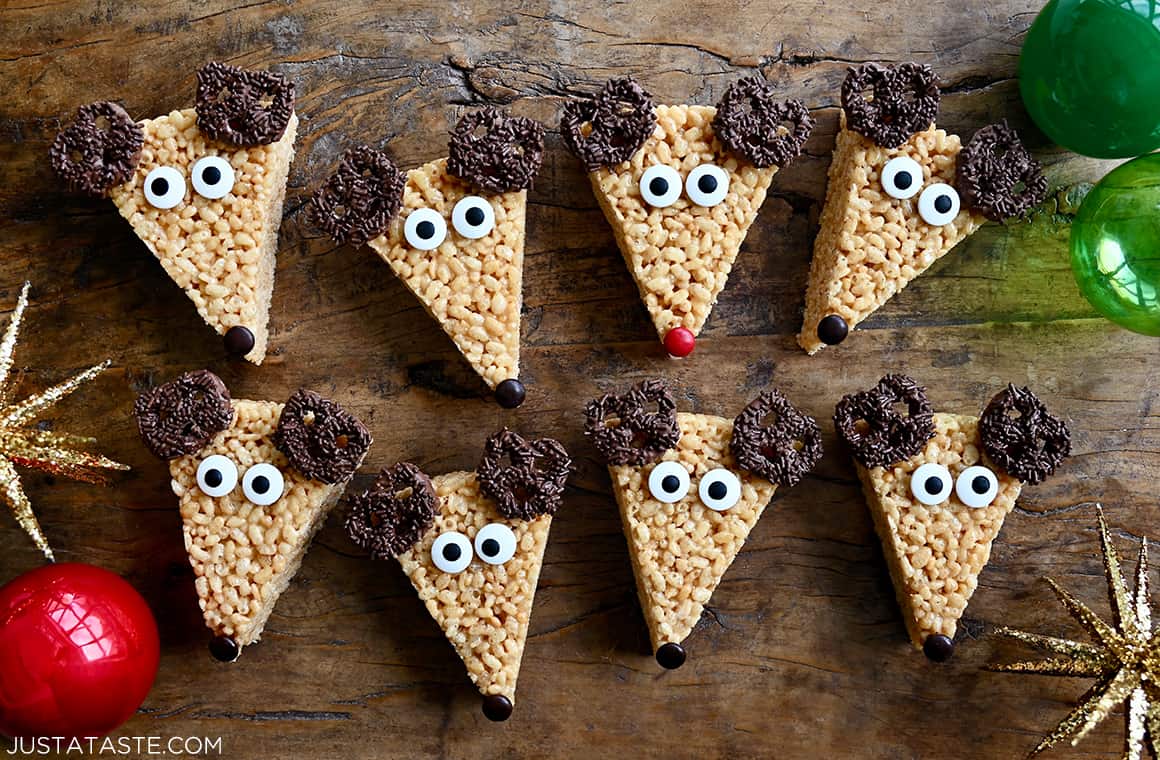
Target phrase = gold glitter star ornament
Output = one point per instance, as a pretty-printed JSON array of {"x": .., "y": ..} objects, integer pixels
[
  {"x": 23, "y": 444},
  {"x": 1125, "y": 658}
]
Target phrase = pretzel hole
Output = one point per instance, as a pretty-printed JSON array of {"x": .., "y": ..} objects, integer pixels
[
  {"x": 481, "y": 131},
  {"x": 266, "y": 101},
  {"x": 405, "y": 493},
  {"x": 102, "y": 123},
  {"x": 341, "y": 440}
]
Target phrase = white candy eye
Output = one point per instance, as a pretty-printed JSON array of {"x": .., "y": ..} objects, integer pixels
[
  {"x": 217, "y": 475},
  {"x": 164, "y": 187},
  {"x": 212, "y": 177},
  {"x": 719, "y": 489},
  {"x": 424, "y": 229},
  {"x": 902, "y": 177},
  {"x": 669, "y": 482},
  {"x": 473, "y": 217},
  {"x": 451, "y": 552},
  {"x": 495, "y": 543},
  {"x": 931, "y": 483},
  {"x": 660, "y": 186},
  {"x": 977, "y": 487},
  {"x": 262, "y": 484},
  {"x": 707, "y": 185},
  {"x": 938, "y": 204}
]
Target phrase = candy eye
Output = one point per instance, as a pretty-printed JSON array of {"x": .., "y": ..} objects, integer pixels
[
  {"x": 938, "y": 204},
  {"x": 164, "y": 187},
  {"x": 473, "y": 217},
  {"x": 977, "y": 487},
  {"x": 495, "y": 543},
  {"x": 451, "y": 552},
  {"x": 931, "y": 483},
  {"x": 707, "y": 185},
  {"x": 217, "y": 475},
  {"x": 719, "y": 489},
  {"x": 660, "y": 186},
  {"x": 425, "y": 229},
  {"x": 902, "y": 177},
  {"x": 669, "y": 482},
  {"x": 212, "y": 177},
  {"x": 262, "y": 484}
]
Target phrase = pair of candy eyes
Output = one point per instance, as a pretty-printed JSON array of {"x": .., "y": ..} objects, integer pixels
[
  {"x": 212, "y": 178},
  {"x": 976, "y": 486},
  {"x": 707, "y": 185},
  {"x": 472, "y": 217},
  {"x": 938, "y": 204},
  {"x": 718, "y": 489},
  {"x": 262, "y": 483},
  {"x": 452, "y": 552}
]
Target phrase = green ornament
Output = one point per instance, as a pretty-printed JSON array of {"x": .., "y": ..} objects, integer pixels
[
  {"x": 1089, "y": 74},
  {"x": 1115, "y": 245}
]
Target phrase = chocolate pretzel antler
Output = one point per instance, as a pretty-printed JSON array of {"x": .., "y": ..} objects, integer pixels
[
  {"x": 635, "y": 428},
  {"x": 773, "y": 439},
  {"x": 1029, "y": 444},
  {"x": 180, "y": 417},
  {"x": 752, "y": 123},
  {"x": 99, "y": 150},
  {"x": 245, "y": 108},
  {"x": 905, "y": 101},
  {"x": 321, "y": 439},
  {"x": 610, "y": 127},
  {"x": 360, "y": 199},
  {"x": 877, "y": 434},
  {"x": 989, "y": 169},
  {"x": 532, "y": 484},
  {"x": 391, "y": 516},
  {"x": 495, "y": 152}
]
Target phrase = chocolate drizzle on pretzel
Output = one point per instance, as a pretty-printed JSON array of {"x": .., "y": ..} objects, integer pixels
[
  {"x": 321, "y": 439},
  {"x": 1022, "y": 437},
  {"x": 635, "y": 428},
  {"x": 99, "y": 150},
  {"x": 244, "y": 108},
  {"x": 757, "y": 127},
  {"x": 877, "y": 433},
  {"x": 395, "y": 513},
  {"x": 610, "y": 127},
  {"x": 774, "y": 440},
  {"x": 495, "y": 152},
  {"x": 360, "y": 199},
  {"x": 905, "y": 100},
  {"x": 996, "y": 175},
  {"x": 181, "y": 417},
  {"x": 531, "y": 482}
]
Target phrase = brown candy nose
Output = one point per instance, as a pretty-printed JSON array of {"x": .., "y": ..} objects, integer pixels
[
  {"x": 832, "y": 330},
  {"x": 238, "y": 340},
  {"x": 510, "y": 394},
  {"x": 224, "y": 648},
  {"x": 497, "y": 707},
  {"x": 938, "y": 648},
  {"x": 671, "y": 656}
]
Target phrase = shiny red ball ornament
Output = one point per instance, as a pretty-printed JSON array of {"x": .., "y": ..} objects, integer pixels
[
  {"x": 679, "y": 342},
  {"x": 78, "y": 652}
]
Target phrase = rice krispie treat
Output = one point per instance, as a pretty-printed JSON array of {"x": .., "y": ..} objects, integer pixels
[
  {"x": 452, "y": 230},
  {"x": 472, "y": 544},
  {"x": 939, "y": 487},
  {"x": 256, "y": 480},
  {"x": 203, "y": 189},
  {"x": 901, "y": 194},
  {"x": 680, "y": 185},
  {"x": 690, "y": 488}
]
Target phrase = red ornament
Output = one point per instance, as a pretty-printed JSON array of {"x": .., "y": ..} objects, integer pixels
[
  {"x": 679, "y": 342},
  {"x": 78, "y": 652}
]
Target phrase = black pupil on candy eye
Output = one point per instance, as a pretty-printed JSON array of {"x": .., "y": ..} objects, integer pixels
[
  {"x": 707, "y": 183},
  {"x": 902, "y": 180},
  {"x": 718, "y": 490},
  {"x": 659, "y": 185},
  {"x": 490, "y": 547},
  {"x": 160, "y": 186},
  {"x": 474, "y": 216},
  {"x": 452, "y": 552},
  {"x": 671, "y": 483},
  {"x": 261, "y": 484},
  {"x": 980, "y": 485},
  {"x": 212, "y": 175},
  {"x": 213, "y": 478},
  {"x": 933, "y": 485},
  {"x": 426, "y": 230},
  {"x": 942, "y": 204}
]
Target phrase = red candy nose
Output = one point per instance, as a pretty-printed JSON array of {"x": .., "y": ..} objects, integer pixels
[{"x": 679, "y": 342}]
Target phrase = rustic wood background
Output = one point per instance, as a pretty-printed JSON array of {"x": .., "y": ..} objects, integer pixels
[{"x": 803, "y": 653}]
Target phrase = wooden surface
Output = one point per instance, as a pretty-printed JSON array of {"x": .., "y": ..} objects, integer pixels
[{"x": 803, "y": 653}]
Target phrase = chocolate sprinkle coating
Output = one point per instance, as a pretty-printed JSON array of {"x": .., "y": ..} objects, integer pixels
[
  {"x": 321, "y": 439},
  {"x": 905, "y": 102},
  {"x": 99, "y": 150},
  {"x": 619, "y": 118},
  {"x": 244, "y": 108},
  {"x": 532, "y": 484},
  {"x": 751, "y": 122},
  {"x": 385, "y": 524},
  {"x": 1029, "y": 446},
  {"x": 641, "y": 433},
  {"x": 504, "y": 157},
  {"x": 889, "y": 437},
  {"x": 989, "y": 168},
  {"x": 360, "y": 199},
  {"x": 782, "y": 451},
  {"x": 180, "y": 417}
]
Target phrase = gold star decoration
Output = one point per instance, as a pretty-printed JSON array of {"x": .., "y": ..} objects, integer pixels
[
  {"x": 24, "y": 444},
  {"x": 1125, "y": 658}
]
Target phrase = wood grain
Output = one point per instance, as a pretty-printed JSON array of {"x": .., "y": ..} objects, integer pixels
[{"x": 803, "y": 653}]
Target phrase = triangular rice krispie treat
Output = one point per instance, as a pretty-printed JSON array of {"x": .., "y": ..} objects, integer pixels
[
  {"x": 202, "y": 188},
  {"x": 939, "y": 487},
  {"x": 256, "y": 480},
  {"x": 472, "y": 545},
  {"x": 690, "y": 488},
  {"x": 680, "y": 185},
  {"x": 452, "y": 230},
  {"x": 901, "y": 194}
]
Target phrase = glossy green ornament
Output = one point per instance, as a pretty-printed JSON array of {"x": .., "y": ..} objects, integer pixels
[
  {"x": 1089, "y": 74},
  {"x": 1115, "y": 245}
]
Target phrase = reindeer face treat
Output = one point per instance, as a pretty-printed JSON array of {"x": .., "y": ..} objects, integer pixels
[
  {"x": 203, "y": 188},
  {"x": 452, "y": 230},
  {"x": 681, "y": 185},
  {"x": 256, "y": 480},
  {"x": 939, "y": 487},
  {"x": 901, "y": 194},
  {"x": 472, "y": 544},
  {"x": 690, "y": 489}
]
